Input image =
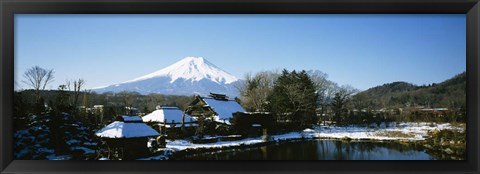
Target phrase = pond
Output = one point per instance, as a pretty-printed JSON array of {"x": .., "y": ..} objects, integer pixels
[{"x": 319, "y": 150}]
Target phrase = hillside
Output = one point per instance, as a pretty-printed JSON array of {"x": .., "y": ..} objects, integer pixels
[{"x": 449, "y": 93}]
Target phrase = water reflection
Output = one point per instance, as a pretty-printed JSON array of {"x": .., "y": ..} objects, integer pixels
[{"x": 319, "y": 150}]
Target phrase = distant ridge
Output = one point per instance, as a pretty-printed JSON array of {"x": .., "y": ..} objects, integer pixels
[{"x": 449, "y": 93}]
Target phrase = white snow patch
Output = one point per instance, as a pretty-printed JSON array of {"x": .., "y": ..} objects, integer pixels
[
  {"x": 179, "y": 145},
  {"x": 418, "y": 130},
  {"x": 84, "y": 149},
  {"x": 69, "y": 142},
  {"x": 90, "y": 144},
  {"x": 61, "y": 157},
  {"x": 157, "y": 157},
  {"x": 45, "y": 150}
]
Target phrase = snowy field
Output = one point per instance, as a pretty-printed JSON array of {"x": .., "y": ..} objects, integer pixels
[{"x": 401, "y": 131}]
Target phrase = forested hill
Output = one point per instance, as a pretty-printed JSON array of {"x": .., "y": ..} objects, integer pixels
[{"x": 449, "y": 93}]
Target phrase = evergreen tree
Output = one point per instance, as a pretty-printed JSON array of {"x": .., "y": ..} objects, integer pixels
[
  {"x": 293, "y": 99},
  {"x": 339, "y": 107}
]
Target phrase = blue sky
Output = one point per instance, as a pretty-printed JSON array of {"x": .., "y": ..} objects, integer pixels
[{"x": 360, "y": 50}]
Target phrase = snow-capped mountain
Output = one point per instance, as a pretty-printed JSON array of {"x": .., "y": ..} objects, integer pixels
[{"x": 189, "y": 76}]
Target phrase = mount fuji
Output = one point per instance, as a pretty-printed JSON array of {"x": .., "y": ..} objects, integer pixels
[{"x": 189, "y": 76}]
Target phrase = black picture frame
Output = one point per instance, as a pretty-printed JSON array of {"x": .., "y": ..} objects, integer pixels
[{"x": 8, "y": 8}]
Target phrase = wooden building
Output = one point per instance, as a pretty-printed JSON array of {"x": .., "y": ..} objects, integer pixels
[
  {"x": 169, "y": 117},
  {"x": 127, "y": 137},
  {"x": 218, "y": 107},
  {"x": 440, "y": 112}
]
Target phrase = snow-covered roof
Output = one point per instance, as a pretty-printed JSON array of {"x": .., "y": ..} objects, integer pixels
[
  {"x": 131, "y": 118},
  {"x": 225, "y": 121},
  {"x": 435, "y": 109},
  {"x": 120, "y": 129},
  {"x": 166, "y": 107},
  {"x": 180, "y": 125},
  {"x": 224, "y": 108},
  {"x": 167, "y": 114}
]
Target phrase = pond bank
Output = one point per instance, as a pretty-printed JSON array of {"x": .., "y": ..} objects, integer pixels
[
  {"x": 403, "y": 132},
  {"x": 317, "y": 149}
]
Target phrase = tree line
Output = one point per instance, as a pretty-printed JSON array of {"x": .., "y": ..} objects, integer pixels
[
  {"x": 300, "y": 99},
  {"x": 73, "y": 99},
  {"x": 297, "y": 99}
]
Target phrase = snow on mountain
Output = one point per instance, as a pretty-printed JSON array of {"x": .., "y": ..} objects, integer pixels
[
  {"x": 189, "y": 76},
  {"x": 194, "y": 68}
]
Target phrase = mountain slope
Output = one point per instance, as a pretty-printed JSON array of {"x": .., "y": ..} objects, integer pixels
[
  {"x": 449, "y": 93},
  {"x": 192, "y": 68},
  {"x": 189, "y": 76}
]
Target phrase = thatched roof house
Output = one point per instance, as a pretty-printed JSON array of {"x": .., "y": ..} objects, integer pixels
[
  {"x": 169, "y": 117},
  {"x": 127, "y": 137},
  {"x": 219, "y": 106},
  {"x": 127, "y": 127}
]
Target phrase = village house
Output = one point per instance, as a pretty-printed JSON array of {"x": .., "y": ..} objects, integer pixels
[
  {"x": 436, "y": 111},
  {"x": 169, "y": 117},
  {"x": 216, "y": 106},
  {"x": 127, "y": 137}
]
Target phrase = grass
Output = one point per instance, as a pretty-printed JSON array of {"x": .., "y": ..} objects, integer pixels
[
  {"x": 395, "y": 134},
  {"x": 458, "y": 125}
]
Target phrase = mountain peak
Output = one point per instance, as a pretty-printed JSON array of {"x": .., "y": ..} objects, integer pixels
[
  {"x": 188, "y": 76},
  {"x": 192, "y": 60},
  {"x": 193, "y": 69}
]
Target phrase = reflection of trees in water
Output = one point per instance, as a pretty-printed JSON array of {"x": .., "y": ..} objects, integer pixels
[
  {"x": 318, "y": 150},
  {"x": 387, "y": 150},
  {"x": 366, "y": 150},
  {"x": 339, "y": 150},
  {"x": 322, "y": 150},
  {"x": 264, "y": 152}
]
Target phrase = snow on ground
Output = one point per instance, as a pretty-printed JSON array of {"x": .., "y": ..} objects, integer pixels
[
  {"x": 73, "y": 141},
  {"x": 163, "y": 156},
  {"x": 61, "y": 157},
  {"x": 179, "y": 145},
  {"x": 402, "y": 131},
  {"x": 84, "y": 149},
  {"x": 89, "y": 143},
  {"x": 157, "y": 157},
  {"x": 45, "y": 150}
]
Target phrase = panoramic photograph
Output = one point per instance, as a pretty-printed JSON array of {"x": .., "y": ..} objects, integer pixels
[{"x": 240, "y": 87}]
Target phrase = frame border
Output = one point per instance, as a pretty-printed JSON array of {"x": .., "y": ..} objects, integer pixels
[{"x": 9, "y": 8}]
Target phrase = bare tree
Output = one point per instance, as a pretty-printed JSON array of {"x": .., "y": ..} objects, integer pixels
[
  {"x": 324, "y": 90},
  {"x": 38, "y": 78},
  {"x": 256, "y": 89},
  {"x": 77, "y": 87},
  {"x": 128, "y": 98}
]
